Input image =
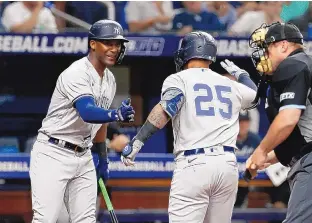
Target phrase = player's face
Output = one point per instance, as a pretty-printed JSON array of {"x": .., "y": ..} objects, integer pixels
[
  {"x": 276, "y": 52},
  {"x": 107, "y": 51}
]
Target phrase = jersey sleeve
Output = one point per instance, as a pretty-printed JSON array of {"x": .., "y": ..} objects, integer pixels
[
  {"x": 172, "y": 95},
  {"x": 296, "y": 91},
  {"x": 247, "y": 95},
  {"x": 75, "y": 84},
  {"x": 173, "y": 81}
]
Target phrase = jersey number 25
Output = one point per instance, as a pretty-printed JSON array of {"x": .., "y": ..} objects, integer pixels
[{"x": 209, "y": 97}]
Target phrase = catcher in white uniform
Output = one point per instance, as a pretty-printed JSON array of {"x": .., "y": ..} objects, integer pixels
[{"x": 204, "y": 107}]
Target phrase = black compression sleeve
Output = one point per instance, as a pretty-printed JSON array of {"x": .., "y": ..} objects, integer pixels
[
  {"x": 100, "y": 148},
  {"x": 147, "y": 130}
]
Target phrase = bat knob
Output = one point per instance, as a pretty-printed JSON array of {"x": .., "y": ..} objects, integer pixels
[{"x": 247, "y": 175}]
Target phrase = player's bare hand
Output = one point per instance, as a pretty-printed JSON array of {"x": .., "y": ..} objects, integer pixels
[
  {"x": 252, "y": 168},
  {"x": 118, "y": 142},
  {"x": 129, "y": 152},
  {"x": 232, "y": 69},
  {"x": 259, "y": 158}
]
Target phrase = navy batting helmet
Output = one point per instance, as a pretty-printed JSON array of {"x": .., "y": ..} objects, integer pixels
[
  {"x": 195, "y": 45},
  {"x": 108, "y": 30}
]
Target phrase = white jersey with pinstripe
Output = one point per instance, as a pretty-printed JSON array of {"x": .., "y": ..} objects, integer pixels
[
  {"x": 209, "y": 115},
  {"x": 63, "y": 120}
]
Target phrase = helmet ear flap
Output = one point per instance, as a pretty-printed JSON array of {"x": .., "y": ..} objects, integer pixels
[
  {"x": 121, "y": 54},
  {"x": 178, "y": 59}
]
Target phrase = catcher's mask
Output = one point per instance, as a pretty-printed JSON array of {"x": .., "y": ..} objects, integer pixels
[{"x": 262, "y": 37}]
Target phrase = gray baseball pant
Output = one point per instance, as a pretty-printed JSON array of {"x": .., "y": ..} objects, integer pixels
[
  {"x": 56, "y": 171},
  {"x": 203, "y": 188}
]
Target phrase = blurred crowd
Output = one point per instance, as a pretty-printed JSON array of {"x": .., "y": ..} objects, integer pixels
[{"x": 233, "y": 18}]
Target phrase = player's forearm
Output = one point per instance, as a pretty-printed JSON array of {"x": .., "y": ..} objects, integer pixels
[
  {"x": 100, "y": 148},
  {"x": 156, "y": 120},
  {"x": 28, "y": 25},
  {"x": 280, "y": 129},
  {"x": 246, "y": 80},
  {"x": 101, "y": 134},
  {"x": 90, "y": 113},
  {"x": 158, "y": 117},
  {"x": 99, "y": 142}
]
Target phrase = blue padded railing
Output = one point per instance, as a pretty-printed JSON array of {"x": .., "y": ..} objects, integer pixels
[{"x": 152, "y": 215}]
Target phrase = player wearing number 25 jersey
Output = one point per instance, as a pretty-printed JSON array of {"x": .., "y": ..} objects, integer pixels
[
  {"x": 208, "y": 116},
  {"x": 204, "y": 108}
]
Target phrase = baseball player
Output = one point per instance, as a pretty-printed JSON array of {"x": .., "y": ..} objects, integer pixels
[
  {"x": 61, "y": 161},
  {"x": 204, "y": 108}
]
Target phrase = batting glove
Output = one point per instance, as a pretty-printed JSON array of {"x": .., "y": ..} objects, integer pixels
[
  {"x": 101, "y": 167},
  {"x": 232, "y": 69},
  {"x": 125, "y": 112},
  {"x": 129, "y": 152}
]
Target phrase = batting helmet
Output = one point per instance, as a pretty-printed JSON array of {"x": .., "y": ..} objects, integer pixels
[
  {"x": 108, "y": 30},
  {"x": 195, "y": 45}
]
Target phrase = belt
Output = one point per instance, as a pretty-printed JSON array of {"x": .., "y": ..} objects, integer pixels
[
  {"x": 202, "y": 150},
  {"x": 306, "y": 149},
  {"x": 296, "y": 158},
  {"x": 67, "y": 145}
]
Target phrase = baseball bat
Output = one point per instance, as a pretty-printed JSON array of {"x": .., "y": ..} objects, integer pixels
[
  {"x": 247, "y": 175},
  {"x": 108, "y": 202}
]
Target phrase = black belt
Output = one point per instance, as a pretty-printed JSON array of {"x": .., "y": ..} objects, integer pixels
[
  {"x": 67, "y": 145},
  {"x": 306, "y": 149},
  {"x": 202, "y": 150},
  {"x": 298, "y": 157}
]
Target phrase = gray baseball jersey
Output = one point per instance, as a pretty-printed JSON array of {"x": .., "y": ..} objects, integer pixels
[
  {"x": 56, "y": 171},
  {"x": 209, "y": 115},
  {"x": 63, "y": 120}
]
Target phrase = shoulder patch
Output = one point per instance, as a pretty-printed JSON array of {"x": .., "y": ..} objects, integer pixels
[{"x": 287, "y": 95}]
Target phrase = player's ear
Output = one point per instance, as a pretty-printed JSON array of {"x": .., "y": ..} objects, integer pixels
[
  {"x": 92, "y": 44},
  {"x": 284, "y": 46}
]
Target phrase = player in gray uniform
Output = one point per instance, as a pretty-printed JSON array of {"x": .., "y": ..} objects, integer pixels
[
  {"x": 61, "y": 161},
  {"x": 204, "y": 107}
]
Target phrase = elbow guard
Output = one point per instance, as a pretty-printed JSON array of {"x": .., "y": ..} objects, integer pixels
[{"x": 172, "y": 101}]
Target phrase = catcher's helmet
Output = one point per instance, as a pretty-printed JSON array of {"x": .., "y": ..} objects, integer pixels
[
  {"x": 265, "y": 35},
  {"x": 195, "y": 45},
  {"x": 108, "y": 30}
]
